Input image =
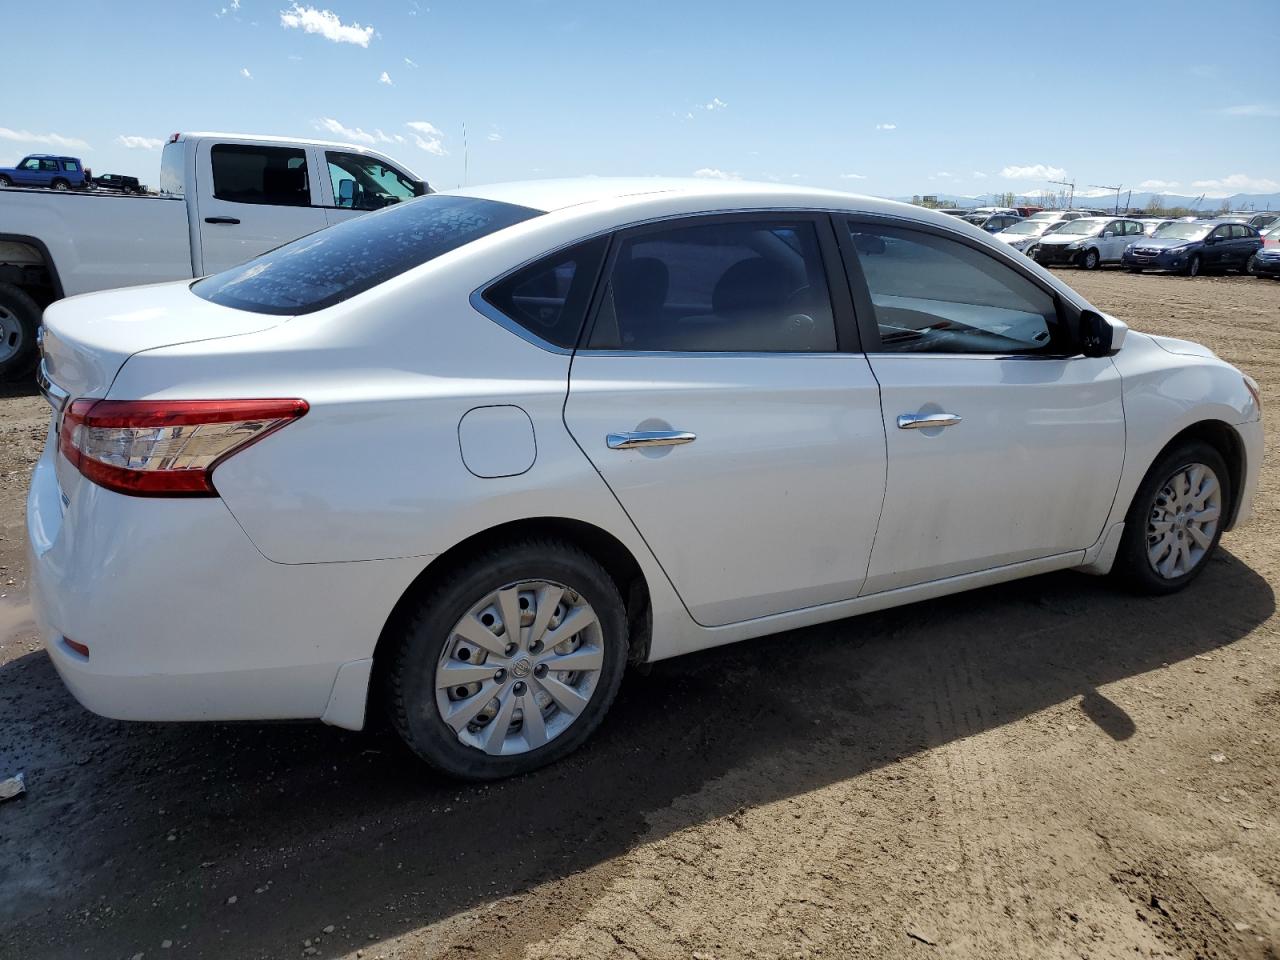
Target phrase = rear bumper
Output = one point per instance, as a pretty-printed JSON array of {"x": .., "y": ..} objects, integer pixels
[{"x": 185, "y": 620}]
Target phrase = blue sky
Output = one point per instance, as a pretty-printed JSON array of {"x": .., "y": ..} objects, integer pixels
[{"x": 890, "y": 99}]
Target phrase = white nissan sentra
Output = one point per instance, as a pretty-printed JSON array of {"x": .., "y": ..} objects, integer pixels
[{"x": 468, "y": 457}]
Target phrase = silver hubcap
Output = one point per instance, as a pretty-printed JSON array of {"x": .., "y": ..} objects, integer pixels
[
  {"x": 1184, "y": 520},
  {"x": 519, "y": 667},
  {"x": 1091, "y": 260},
  {"x": 10, "y": 335}
]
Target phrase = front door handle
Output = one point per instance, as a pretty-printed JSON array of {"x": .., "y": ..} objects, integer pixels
[
  {"x": 924, "y": 421},
  {"x": 649, "y": 438},
  {"x": 221, "y": 220}
]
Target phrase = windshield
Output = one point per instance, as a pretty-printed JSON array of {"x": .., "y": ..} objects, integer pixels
[
  {"x": 1183, "y": 231},
  {"x": 1082, "y": 227},
  {"x": 333, "y": 265},
  {"x": 1027, "y": 228}
]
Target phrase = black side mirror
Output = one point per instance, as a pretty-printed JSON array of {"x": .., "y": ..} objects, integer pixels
[
  {"x": 420, "y": 188},
  {"x": 1095, "y": 335}
]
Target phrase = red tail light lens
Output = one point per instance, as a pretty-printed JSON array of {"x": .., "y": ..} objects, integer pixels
[{"x": 165, "y": 448}]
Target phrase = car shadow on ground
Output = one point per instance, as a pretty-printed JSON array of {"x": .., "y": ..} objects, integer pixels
[{"x": 130, "y": 832}]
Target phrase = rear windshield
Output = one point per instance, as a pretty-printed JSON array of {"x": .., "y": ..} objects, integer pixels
[{"x": 333, "y": 265}]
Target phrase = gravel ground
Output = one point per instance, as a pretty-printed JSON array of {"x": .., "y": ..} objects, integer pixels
[{"x": 1042, "y": 769}]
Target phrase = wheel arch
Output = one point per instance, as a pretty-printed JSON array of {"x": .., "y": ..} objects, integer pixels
[
  {"x": 1227, "y": 441},
  {"x": 619, "y": 562},
  {"x": 17, "y": 253}
]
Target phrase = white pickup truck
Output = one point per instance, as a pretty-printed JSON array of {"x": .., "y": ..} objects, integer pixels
[{"x": 223, "y": 198}]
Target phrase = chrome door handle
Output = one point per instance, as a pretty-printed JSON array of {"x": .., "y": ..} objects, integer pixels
[
  {"x": 923, "y": 421},
  {"x": 649, "y": 438}
]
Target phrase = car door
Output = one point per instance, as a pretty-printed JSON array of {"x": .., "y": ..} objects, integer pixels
[
  {"x": 1217, "y": 247},
  {"x": 1003, "y": 446},
  {"x": 737, "y": 428},
  {"x": 1244, "y": 242},
  {"x": 250, "y": 199},
  {"x": 27, "y": 173},
  {"x": 1111, "y": 241}
]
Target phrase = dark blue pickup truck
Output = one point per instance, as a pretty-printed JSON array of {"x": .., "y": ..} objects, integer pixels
[{"x": 45, "y": 170}]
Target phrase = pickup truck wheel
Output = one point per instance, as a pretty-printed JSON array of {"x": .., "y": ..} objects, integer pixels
[
  {"x": 61, "y": 185},
  {"x": 19, "y": 320}
]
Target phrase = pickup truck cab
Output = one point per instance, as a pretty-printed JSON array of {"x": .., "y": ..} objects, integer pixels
[
  {"x": 223, "y": 199},
  {"x": 44, "y": 170}
]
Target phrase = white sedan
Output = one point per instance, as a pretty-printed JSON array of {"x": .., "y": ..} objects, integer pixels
[{"x": 479, "y": 451}]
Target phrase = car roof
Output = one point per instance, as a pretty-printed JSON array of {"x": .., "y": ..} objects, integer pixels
[{"x": 552, "y": 195}]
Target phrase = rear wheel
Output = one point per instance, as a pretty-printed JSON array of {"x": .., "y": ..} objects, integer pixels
[
  {"x": 5, "y": 181},
  {"x": 509, "y": 663},
  {"x": 61, "y": 185},
  {"x": 1251, "y": 268},
  {"x": 19, "y": 321},
  {"x": 1091, "y": 260},
  {"x": 1176, "y": 519}
]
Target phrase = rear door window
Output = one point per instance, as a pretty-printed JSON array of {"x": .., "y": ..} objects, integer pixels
[
  {"x": 740, "y": 286},
  {"x": 333, "y": 265},
  {"x": 244, "y": 173}
]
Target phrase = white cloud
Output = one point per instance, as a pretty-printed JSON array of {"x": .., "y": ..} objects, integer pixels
[
  {"x": 1037, "y": 171},
  {"x": 716, "y": 104},
  {"x": 712, "y": 173},
  {"x": 886, "y": 126},
  {"x": 943, "y": 175},
  {"x": 326, "y": 23},
  {"x": 50, "y": 139},
  {"x": 1157, "y": 184},
  {"x": 1236, "y": 183},
  {"x": 852, "y": 176},
  {"x": 355, "y": 135},
  {"x": 428, "y": 137},
  {"x": 386, "y": 78},
  {"x": 495, "y": 136},
  {"x": 139, "y": 143},
  {"x": 235, "y": 4},
  {"x": 410, "y": 63},
  {"x": 979, "y": 175},
  {"x": 244, "y": 72},
  {"x": 1253, "y": 110}
]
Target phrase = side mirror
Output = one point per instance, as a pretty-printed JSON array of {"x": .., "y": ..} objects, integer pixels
[
  {"x": 346, "y": 193},
  {"x": 1097, "y": 335},
  {"x": 1107, "y": 235},
  {"x": 420, "y": 188}
]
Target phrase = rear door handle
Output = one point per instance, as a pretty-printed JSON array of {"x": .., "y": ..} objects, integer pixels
[
  {"x": 923, "y": 421},
  {"x": 649, "y": 438},
  {"x": 221, "y": 220}
]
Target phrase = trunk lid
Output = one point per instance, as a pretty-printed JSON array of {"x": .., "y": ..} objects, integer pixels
[{"x": 88, "y": 338}]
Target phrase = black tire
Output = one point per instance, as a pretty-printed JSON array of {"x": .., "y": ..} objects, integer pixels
[
  {"x": 5, "y": 181},
  {"x": 423, "y": 632},
  {"x": 1193, "y": 266},
  {"x": 1251, "y": 268},
  {"x": 1091, "y": 259},
  {"x": 1132, "y": 566},
  {"x": 60, "y": 185},
  {"x": 18, "y": 350}
]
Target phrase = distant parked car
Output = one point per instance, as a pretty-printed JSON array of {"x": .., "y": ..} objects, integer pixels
[
  {"x": 996, "y": 222},
  {"x": 1088, "y": 242},
  {"x": 1057, "y": 215},
  {"x": 1261, "y": 221},
  {"x": 117, "y": 181},
  {"x": 1024, "y": 233},
  {"x": 1151, "y": 224},
  {"x": 44, "y": 170},
  {"x": 954, "y": 211},
  {"x": 1266, "y": 262},
  {"x": 1191, "y": 248}
]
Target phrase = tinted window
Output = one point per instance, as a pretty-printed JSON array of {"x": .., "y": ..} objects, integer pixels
[
  {"x": 50, "y": 166},
  {"x": 71, "y": 165},
  {"x": 172, "y": 176},
  {"x": 30, "y": 164},
  {"x": 550, "y": 298},
  {"x": 247, "y": 174},
  {"x": 936, "y": 295},
  {"x": 1222, "y": 232},
  {"x": 1241, "y": 231},
  {"x": 366, "y": 183},
  {"x": 333, "y": 265},
  {"x": 735, "y": 286}
]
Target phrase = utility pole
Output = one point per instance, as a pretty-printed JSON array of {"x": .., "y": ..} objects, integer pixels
[
  {"x": 1071, "y": 198},
  {"x": 465, "y": 157},
  {"x": 1103, "y": 186}
]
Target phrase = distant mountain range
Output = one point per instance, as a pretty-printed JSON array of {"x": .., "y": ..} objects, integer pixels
[{"x": 1239, "y": 201}]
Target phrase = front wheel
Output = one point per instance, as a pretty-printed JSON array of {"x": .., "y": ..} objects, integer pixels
[
  {"x": 1091, "y": 260},
  {"x": 510, "y": 662},
  {"x": 1193, "y": 266},
  {"x": 1176, "y": 519}
]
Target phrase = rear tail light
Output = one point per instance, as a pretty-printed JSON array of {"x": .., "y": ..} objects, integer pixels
[{"x": 165, "y": 448}]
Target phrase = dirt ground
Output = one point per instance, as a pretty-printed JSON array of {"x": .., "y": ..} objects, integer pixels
[{"x": 1043, "y": 769}]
